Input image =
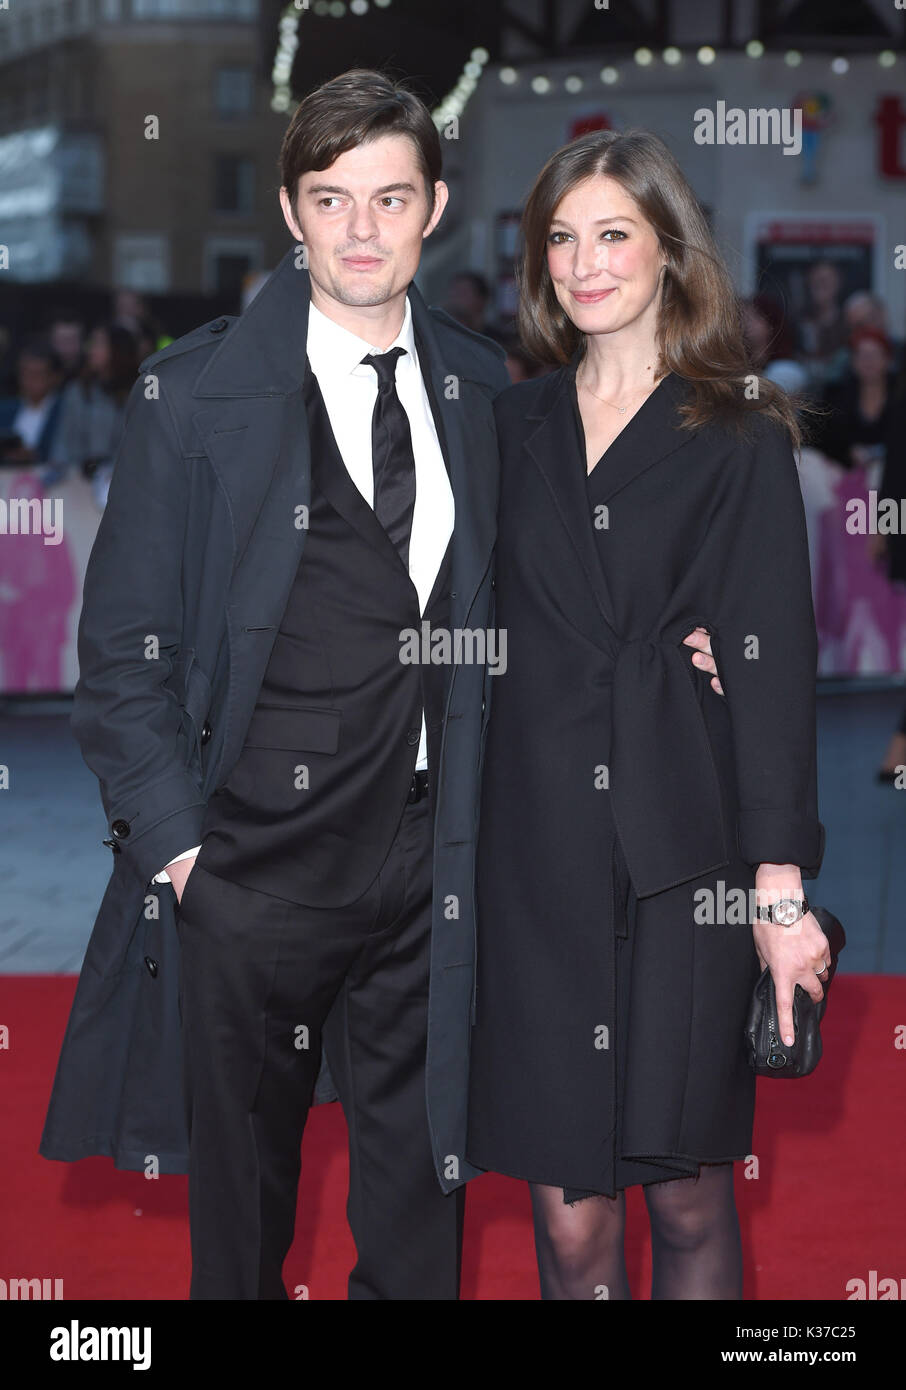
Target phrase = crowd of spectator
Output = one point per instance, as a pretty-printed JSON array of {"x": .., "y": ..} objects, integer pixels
[{"x": 64, "y": 413}]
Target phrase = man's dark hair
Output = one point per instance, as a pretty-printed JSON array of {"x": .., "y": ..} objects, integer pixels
[
  {"x": 348, "y": 111},
  {"x": 39, "y": 348},
  {"x": 474, "y": 278}
]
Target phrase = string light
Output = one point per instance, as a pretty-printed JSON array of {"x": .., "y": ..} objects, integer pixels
[
  {"x": 454, "y": 103},
  {"x": 287, "y": 43}
]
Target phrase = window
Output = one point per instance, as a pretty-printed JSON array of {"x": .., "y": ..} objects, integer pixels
[
  {"x": 234, "y": 183},
  {"x": 234, "y": 91},
  {"x": 228, "y": 262},
  {"x": 142, "y": 262}
]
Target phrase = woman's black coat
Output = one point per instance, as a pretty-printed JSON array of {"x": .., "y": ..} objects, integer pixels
[
  {"x": 606, "y": 744},
  {"x": 719, "y": 519}
]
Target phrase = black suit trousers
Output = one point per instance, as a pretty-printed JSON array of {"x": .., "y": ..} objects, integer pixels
[{"x": 262, "y": 980}]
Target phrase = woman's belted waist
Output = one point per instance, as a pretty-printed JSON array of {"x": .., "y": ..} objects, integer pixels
[{"x": 664, "y": 787}]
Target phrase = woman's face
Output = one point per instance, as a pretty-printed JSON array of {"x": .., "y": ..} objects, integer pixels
[
  {"x": 604, "y": 258},
  {"x": 869, "y": 360},
  {"x": 756, "y": 330},
  {"x": 99, "y": 351}
]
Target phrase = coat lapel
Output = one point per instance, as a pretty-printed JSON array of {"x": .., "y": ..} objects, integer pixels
[
  {"x": 651, "y": 435},
  {"x": 465, "y": 425},
  {"x": 557, "y": 446}
]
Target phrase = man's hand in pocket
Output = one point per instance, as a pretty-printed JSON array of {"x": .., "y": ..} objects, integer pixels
[{"x": 179, "y": 871}]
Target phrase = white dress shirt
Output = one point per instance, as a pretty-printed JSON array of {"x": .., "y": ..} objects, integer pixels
[
  {"x": 349, "y": 390},
  {"x": 30, "y": 420}
]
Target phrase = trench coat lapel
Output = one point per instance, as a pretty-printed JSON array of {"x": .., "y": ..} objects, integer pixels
[
  {"x": 651, "y": 435},
  {"x": 469, "y": 444}
]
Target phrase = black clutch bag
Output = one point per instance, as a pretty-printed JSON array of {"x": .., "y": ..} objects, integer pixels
[{"x": 768, "y": 1053}]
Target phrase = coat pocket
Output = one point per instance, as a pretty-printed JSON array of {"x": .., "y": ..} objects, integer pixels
[{"x": 294, "y": 728}]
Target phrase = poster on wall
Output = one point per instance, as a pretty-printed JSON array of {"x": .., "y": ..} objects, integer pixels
[
  {"x": 47, "y": 534},
  {"x": 811, "y": 263}
]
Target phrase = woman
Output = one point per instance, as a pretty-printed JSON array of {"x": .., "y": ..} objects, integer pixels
[
  {"x": 643, "y": 492},
  {"x": 768, "y": 340},
  {"x": 860, "y": 408},
  {"x": 93, "y": 411}
]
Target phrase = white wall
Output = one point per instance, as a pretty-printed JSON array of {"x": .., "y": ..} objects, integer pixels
[{"x": 506, "y": 133}]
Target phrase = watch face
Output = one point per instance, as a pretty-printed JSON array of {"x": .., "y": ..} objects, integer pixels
[{"x": 786, "y": 912}]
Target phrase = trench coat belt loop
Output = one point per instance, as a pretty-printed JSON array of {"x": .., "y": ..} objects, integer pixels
[{"x": 664, "y": 786}]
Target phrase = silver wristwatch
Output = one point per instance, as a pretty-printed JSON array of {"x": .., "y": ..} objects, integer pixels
[{"x": 784, "y": 913}]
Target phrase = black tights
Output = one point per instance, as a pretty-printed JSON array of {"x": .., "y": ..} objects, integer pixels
[{"x": 695, "y": 1244}]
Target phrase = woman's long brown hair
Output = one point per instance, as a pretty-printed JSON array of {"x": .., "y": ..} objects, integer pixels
[{"x": 699, "y": 331}]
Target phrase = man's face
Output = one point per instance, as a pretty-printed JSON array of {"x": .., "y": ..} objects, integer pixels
[
  {"x": 363, "y": 220},
  {"x": 66, "y": 340},
  {"x": 464, "y": 301},
  {"x": 36, "y": 379},
  {"x": 824, "y": 283}
]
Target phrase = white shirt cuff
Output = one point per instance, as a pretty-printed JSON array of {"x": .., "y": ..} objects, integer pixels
[{"x": 163, "y": 876}]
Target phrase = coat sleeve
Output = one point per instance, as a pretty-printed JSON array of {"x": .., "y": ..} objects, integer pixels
[
  {"x": 766, "y": 650},
  {"x": 126, "y": 721}
]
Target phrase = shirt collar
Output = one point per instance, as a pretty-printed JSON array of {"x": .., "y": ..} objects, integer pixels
[{"x": 335, "y": 352}]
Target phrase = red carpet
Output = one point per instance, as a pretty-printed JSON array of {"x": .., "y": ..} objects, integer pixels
[{"x": 830, "y": 1179}]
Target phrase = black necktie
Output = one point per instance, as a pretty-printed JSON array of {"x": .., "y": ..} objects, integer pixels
[{"x": 391, "y": 454}]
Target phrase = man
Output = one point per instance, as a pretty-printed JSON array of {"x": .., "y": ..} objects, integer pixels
[
  {"x": 297, "y": 489},
  {"x": 467, "y": 298},
  {"x": 29, "y": 421}
]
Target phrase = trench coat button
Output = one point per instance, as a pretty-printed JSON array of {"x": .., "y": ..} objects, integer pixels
[
  {"x": 493, "y": 583},
  {"x": 413, "y": 736},
  {"x": 218, "y": 325},
  {"x": 113, "y": 845},
  {"x": 120, "y": 829},
  {"x": 151, "y": 963},
  {"x": 206, "y": 731}
]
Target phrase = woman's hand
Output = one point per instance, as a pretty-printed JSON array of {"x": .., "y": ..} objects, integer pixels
[
  {"x": 794, "y": 955},
  {"x": 703, "y": 658}
]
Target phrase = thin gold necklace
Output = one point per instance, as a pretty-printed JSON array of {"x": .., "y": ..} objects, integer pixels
[{"x": 620, "y": 408}]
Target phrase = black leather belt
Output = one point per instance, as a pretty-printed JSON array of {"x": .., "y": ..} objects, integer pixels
[{"x": 418, "y": 786}]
